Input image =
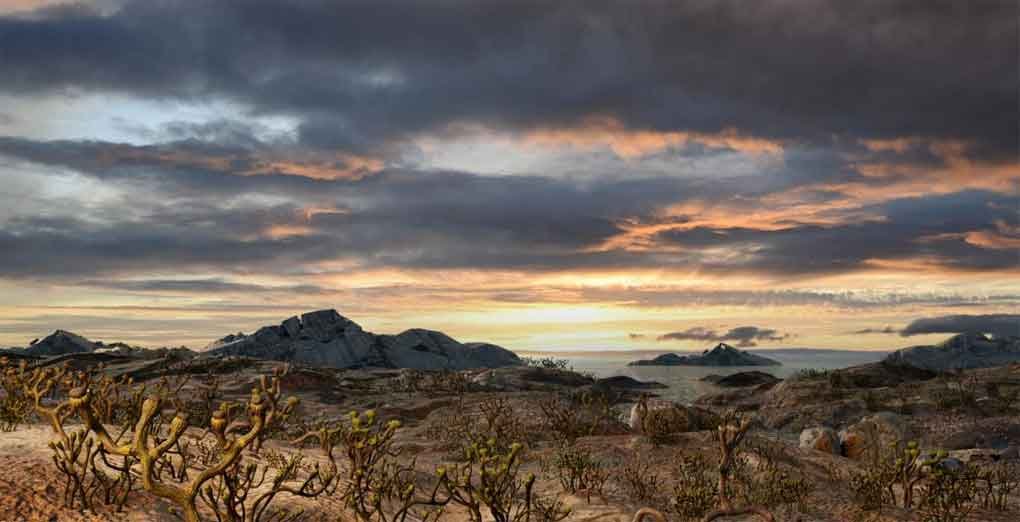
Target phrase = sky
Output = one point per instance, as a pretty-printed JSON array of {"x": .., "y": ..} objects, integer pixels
[{"x": 574, "y": 175}]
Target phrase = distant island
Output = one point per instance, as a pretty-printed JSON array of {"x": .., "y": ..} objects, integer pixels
[{"x": 722, "y": 355}]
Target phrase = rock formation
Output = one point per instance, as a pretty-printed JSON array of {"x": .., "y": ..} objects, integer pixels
[
  {"x": 963, "y": 351},
  {"x": 741, "y": 379},
  {"x": 722, "y": 355},
  {"x": 61, "y": 342},
  {"x": 326, "y": 338}
]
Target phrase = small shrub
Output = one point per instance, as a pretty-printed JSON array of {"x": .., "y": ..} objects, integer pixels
[
  {"x": 490, "y": 478},
  {"x": 579, "y": 470},
  {"x": 580, "y": 415},
  {"x": 549, "y": 363},
  {"x": 696, "y": 488},
  {"x": 947, "y": 496},
  {"x": 639, "y": 479}
]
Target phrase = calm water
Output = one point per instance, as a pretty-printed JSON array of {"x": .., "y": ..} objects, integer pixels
[{"x": 683, "y": 381}]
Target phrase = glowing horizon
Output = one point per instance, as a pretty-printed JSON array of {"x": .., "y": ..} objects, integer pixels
[{"x": 608, "y": 179}]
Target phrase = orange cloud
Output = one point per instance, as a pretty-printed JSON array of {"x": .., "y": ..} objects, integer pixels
[{"x": 629, "y": 143}]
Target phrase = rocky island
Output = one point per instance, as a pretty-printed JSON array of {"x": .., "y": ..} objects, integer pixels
[{"x": 722, "y": 355}]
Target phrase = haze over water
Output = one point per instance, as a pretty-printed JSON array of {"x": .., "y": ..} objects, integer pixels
[{"x": 683, "y": 381}]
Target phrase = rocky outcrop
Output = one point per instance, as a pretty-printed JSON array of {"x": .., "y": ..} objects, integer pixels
[
  {"x": 668, "y": 415},
  {"x": 963, "y": 351},
  {"x": 873, "y": 434},
  {"x": 326, "y": 338},
  {"x": 61, "y": 342},
  {"x": 722, "y": 355},
  {"x": 821, "y": 439},
  {"x": 741, "y": 379}
]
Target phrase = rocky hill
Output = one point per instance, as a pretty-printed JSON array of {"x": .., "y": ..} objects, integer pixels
[
  {"x": 963, "y": 351},
  {"x": 60, "y": 342},
  {"x": 722, "y": 355},
  {"x": 326, "y": 338}
]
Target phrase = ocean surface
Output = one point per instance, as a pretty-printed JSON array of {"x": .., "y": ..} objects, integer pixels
[{"x": 683, "y": 381}]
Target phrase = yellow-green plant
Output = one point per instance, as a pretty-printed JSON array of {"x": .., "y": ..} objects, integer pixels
[{"x": 489, "y": 478}]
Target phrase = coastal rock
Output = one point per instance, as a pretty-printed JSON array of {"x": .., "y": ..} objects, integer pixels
[
  {"x": 822, "y": 439},
  {"x": 741, "y": 379},
  {"x": 722, "y": 355},
  {"x": 963, "y": 351},
  {"x": 61, "y": 342},
  {"x": 326, "y": 338}
]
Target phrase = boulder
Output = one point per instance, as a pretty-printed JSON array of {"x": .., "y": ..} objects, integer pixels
[
  {"x": 821, "y": 439},
  {"x": 670, "y": 416},
  {"x": 873, "y": 435}
]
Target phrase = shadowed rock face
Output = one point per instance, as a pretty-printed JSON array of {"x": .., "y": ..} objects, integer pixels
[
  {"x": 722, "y": 355},
  {"x": 741, "y": 379},
  {"x": 326, "y": 338},
  {"x": 61, "y": 342},
  {"x": 963, "y": 351}
]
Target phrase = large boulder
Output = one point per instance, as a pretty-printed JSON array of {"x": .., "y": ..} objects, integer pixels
[
  {"x": 823, "y": 439},
  {"x": 873, "y": 436},
  {"x": 326, "y": 338}
]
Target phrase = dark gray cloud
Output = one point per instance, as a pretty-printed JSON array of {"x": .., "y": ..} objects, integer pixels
[
  {"x": 204, "y": 286},
  {"x": 363, "y": 74},
  {"x": 744, "y": 336},
  {"x": 886, "y": 330},
  {"x": 929, "y": 228},
  {"x": 999, "y": 325}
]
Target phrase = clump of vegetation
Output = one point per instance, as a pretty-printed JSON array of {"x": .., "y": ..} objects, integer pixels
[
  {"x": 496, "y": 419},
  {"x": 696, "y": 490},
  {"x": 378, "y": 485},
  {"x": 579, "y": 415},
  {"x": 151, "y": 445},
  {"x": 947, "y": 495},
  {"x": 549, "y": 363},
  {"x": 661, "y": 426},
  {"x": 811, "y": 374},
  {"x": 490, "y": 478},
  {"x": 639, "y": 479},
  {"x": 580, "y": 471}
]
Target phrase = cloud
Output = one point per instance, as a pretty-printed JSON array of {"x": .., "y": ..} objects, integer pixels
[
  {"x": 361, "y": 75},
  {"x": 886, "y": 330},
  {"x": 635, "y": 336},
  {"x": 202, "y": 286},
  {"x": 999, "y": 325},
  {"x": 932, "y": 230},
  {"x": 745, "y": 336}
]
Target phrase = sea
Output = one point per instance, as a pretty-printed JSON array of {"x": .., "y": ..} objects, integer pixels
[{"x": 684, "y": 382}]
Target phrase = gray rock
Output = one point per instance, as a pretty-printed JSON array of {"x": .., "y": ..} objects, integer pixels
[
  {"x": 963, "y": 351},
  {"x": 1010, "y": 453},
  {"x": 292, "y": 326},
  {"x": 722, "y": 355},
  {"x": 951, "y": 464},
  {"x": 326, "y": 338},
  {"x": 61, "y": 342}
]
